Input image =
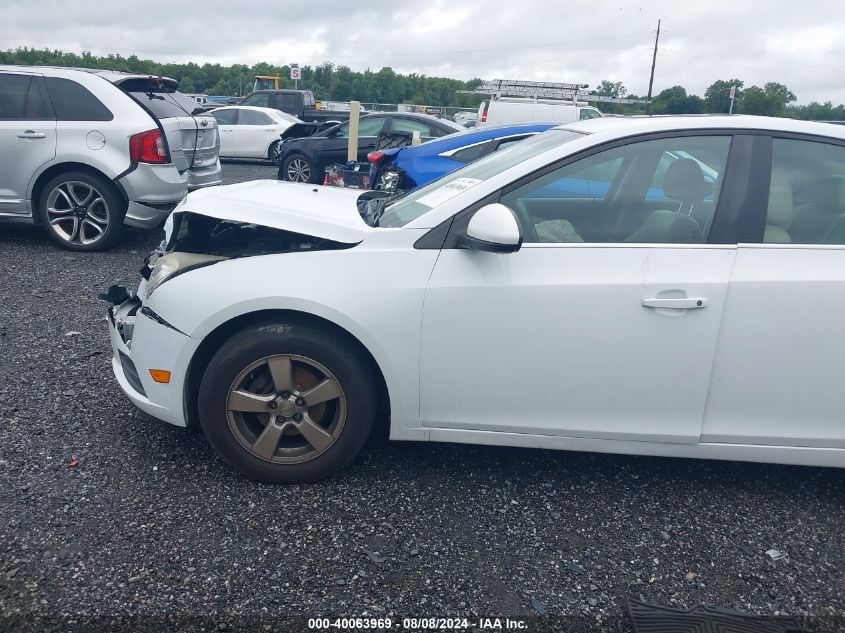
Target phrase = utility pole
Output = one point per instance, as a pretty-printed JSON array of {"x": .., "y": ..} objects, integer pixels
[{"x": 653, "y": 62}]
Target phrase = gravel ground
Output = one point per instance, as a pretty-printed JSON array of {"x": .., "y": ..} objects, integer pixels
[{"x": 150, "y": 523}]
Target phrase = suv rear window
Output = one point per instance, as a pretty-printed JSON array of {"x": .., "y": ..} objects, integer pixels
[
  {"x": 74, "y": 102},
  {"x": 163, "y": 102}
]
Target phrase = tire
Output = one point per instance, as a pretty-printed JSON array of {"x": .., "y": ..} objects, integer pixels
[
  {"x": 295, "y": 168},
  {"x": 81, "y": 211},
  {"x": 247, "y": 409},
  {"x": 273, "y": 153}
]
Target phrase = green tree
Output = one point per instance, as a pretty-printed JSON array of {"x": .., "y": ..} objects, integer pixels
[
  {"x": 771, "y": 100},
  {"x": 717, "y": 97},
  {"x": 675, "y": 100},
  {"x": 614, "y": 89},
  {"x": 186, "y": 84}
]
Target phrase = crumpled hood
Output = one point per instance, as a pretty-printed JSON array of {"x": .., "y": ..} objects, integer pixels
[{"x": 326, "y": 212}]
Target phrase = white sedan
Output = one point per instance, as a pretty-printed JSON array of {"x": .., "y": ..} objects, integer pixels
[
  {"x": 658, "y": 286},
  {"x": 250, "y": 132}
]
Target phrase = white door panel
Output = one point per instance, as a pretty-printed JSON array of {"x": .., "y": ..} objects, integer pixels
[
  {"x": 228, "y": 144},
  {"x": 252, "y": 140},
  {"x": 780, "y": 367},
  {"x": 555, "y": 340}
]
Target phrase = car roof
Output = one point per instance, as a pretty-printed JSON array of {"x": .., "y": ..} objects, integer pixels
[
  {"x": 417, "y": 115},
  {"x": 623, "y": 126},
  {"x": 235, "y": 106},
  {"x": 114, "y": 76},
  {"x": 479, "y": 135}
]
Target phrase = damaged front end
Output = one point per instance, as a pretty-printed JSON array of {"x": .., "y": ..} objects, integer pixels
[{"x": 197, "y": 240}]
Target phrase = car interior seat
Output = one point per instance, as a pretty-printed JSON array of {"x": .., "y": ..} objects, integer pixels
[
  {"x": 822, "y": 221},
  {"x": 683, "y": 182},
  {"x": 780, "y": 214}
]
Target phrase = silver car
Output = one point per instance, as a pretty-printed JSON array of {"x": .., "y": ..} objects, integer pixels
[{"x": 85, "y": 152}]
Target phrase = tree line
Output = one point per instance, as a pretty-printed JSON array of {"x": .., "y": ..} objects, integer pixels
[{"x": 340, "y": 83}]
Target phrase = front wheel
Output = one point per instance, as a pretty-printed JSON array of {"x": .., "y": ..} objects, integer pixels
[
  {"x": 298, "y": 168},
  {"x": 287, "y": 402},
  {"x": 81, "y": 211}
]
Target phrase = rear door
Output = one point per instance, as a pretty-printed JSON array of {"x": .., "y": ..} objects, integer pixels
[
  {"x": 254, "y": 132},
  {"x": 226, "y": 119},
  {"x": 27, "y": 137},
  {"x": 780, "y": 368}
]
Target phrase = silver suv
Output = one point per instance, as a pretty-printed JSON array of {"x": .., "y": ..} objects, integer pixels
[{"x": 83, "y": 152}]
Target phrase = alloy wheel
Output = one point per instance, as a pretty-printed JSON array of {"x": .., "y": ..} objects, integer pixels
[
  {"x": 299, "y": 170},
  {"x": 77, "y": 212},
  {"x": 286, "y": 409}
]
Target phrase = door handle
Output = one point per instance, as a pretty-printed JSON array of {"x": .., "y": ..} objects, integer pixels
[
  {"x": 683, "y": 303},
  {"x": 32, "y": 134}
]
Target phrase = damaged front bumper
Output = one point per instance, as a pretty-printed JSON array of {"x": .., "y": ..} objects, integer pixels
[{"x": 142, "y": 341}]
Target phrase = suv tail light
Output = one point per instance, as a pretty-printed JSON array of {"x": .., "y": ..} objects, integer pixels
[
  {"x": 374, "y": 157},
  {"x": 147, "y": 147},
  {"x": 484, "y": 112}
]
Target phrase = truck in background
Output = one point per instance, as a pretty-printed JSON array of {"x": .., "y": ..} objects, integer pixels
[{"x": 299, "y": 103}]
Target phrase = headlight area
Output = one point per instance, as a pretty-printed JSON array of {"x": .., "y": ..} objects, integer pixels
[
  {"x": 169, "y": 265},
  {"x": 197, "y": 240}
]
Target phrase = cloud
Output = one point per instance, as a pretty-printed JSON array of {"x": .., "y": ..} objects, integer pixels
[{"x": 798, "y": 44}]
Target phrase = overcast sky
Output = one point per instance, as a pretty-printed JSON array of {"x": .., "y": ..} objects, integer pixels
[{"x": 800, "y": 44}]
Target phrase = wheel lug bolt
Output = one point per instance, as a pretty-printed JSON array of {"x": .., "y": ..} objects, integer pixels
[
  {"x": 297, "y": 416},
  {"x": 274, "y": 405},
  {"x": 300, "y": 402},
  {"x": 286, "y": 394},
  {"x": 280, "y": 419}
]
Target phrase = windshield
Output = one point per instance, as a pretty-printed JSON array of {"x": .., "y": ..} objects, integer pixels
[{"x": 419, "y": 201}]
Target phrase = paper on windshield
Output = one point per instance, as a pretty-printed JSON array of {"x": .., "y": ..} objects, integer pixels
[{"x": 447, "y": 191}]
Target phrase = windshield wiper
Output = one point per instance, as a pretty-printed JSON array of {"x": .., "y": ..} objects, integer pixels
[{"x": 152, "y": 95}]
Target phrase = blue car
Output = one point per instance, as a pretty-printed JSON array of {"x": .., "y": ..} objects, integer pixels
[{"x": 406, "y": 168}]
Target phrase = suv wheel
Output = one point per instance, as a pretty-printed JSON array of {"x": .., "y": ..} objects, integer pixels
[
  {"x": 297, "y": 168},
  {"x": 287, "y": 402},
  {"x": 81, "y": 212}
]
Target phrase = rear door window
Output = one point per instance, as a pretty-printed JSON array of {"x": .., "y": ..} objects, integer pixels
[
  {"x": 411, "y": 125},
  {"x": 224, "y": 117},
  {"x": 371, "y": 126},
  {"x": 473, "y": 152},
  {"x": 251, "y": 117},
  {"x": 13, "y": 91},
  {"x": 807, "y": 193},
  {"x": 74, "y": 102},
  {"x": 21, "y": 99}
]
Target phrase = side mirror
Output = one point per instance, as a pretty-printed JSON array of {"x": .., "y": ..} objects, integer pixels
[{"x": 493, "y": 228}]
